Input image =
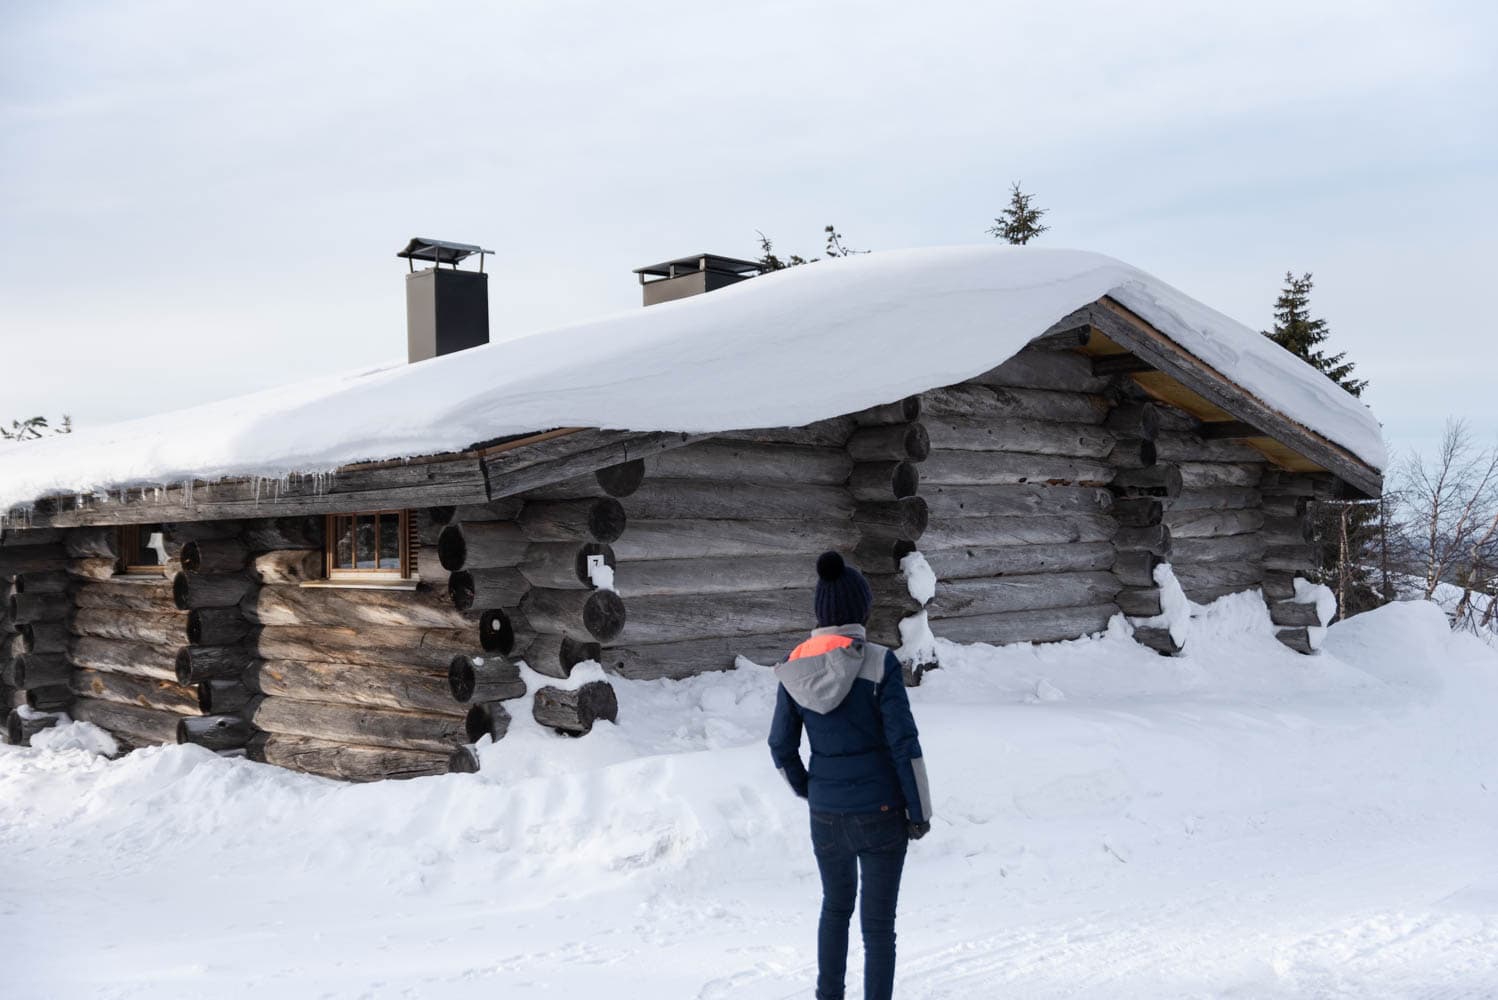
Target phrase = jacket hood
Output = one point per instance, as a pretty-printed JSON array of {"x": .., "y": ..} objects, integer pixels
[{"x": 820, "y": 683}]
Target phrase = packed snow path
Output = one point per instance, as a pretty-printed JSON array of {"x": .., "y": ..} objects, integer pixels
[{"x": 1239, "y": 822}]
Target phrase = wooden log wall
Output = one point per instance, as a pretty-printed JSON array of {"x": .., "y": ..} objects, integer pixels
[
  {"x": 1022, "y": 537},
  {"x": 34, "y": 665},
  {"x": 1285, "y": 540}
]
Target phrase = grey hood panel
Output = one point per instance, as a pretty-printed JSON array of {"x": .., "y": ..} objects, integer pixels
[{"x": 820, "y": 683}]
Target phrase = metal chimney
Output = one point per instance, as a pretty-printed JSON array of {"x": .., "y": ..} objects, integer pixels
[
  {"x": 447, "y": 310},
  {"x": 677, "y": 279}
]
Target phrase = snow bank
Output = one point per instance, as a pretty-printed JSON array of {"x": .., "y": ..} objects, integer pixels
[
  {"x": 1240, "y": 821},
  {"x": 81, "y": 736},
  {"x": 786, "y": 348}
]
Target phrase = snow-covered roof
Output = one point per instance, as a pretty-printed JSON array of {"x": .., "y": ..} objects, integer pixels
[{"x": 783, "y": 349}]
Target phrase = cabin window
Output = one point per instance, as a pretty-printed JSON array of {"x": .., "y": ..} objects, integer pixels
[
  {"x": 369, "y": 547},
  {"x": 142, "y": 549}
]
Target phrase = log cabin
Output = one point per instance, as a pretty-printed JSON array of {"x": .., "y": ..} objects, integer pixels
[{"x": 344, "y": 578}]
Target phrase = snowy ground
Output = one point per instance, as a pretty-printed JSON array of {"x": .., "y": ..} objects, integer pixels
[{"x": 1240, "y": 822}]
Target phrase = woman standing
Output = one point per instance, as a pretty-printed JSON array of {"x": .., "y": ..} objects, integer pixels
[{"x": 867, "y": 784}]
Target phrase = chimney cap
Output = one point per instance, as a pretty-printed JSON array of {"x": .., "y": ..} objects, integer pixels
[
  {"x": 698, "y": 262},
  {"x": 442, "y": 251}
]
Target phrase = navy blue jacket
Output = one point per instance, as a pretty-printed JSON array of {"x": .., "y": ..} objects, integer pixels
[{"x": 849, "y": 696}]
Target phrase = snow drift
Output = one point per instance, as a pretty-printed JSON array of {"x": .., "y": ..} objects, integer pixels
[
  {"x": 786, "y": 348},
  {"x": 1240, "y": 821}
]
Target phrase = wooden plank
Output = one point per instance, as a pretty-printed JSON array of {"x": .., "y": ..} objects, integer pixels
[
  {"x": 1048, "y": 625},
  {"x": 689, "y": 657},
  {"x": 1004, "y": 560},
  {"x": 1028, "y": 592}
]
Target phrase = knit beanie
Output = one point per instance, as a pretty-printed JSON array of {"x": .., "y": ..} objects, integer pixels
[{"x": 843, "y": 595}]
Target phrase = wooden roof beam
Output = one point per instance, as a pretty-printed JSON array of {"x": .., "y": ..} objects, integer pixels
[
  {"x": 1119, "y": 364},
  {"x": 1219, "y": 430}
]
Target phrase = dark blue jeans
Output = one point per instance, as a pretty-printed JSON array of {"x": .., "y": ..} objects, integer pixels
[{"x": 846, "y": 844}]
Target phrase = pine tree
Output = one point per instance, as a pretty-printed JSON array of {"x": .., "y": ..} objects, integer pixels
[
  {"x": 1298, "y": 333},
  {"x": 1020, "y": 222},
  {"x": 769, "y": 261},
  {"x": 32, "y": 428}
]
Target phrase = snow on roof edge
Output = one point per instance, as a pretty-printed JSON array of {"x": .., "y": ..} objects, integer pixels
[{"x": 783, "y": 349}]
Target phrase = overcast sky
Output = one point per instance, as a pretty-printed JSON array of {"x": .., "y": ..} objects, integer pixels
[{"x": 199, "y": 200}]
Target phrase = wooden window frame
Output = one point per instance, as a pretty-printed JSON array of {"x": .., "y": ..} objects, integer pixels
[
  {"x": 342, "y": 575},
  {"x": 128, "y": 543}
]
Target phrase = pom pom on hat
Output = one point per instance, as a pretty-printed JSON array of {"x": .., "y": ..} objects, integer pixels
[{"x": 829, "y": 566}]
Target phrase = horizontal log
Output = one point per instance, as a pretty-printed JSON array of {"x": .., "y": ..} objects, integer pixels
[
  {"x": 192, "y": 590},
  {"x": 1140, "y": 420},
  {"x": 1158, "y": 639},
  {"x": 662, "y": 619},
  {"x": 557, "y": 655},
  {"x": 895, "y": 443},
  {"x": 91, "y": 543},
  {"x": 487, "y": 588},
  {"x": 346, "y": 761},
  {"x": 1277, "y": 586},
  {"x": 196, "y": 664},
  {"x": 598, "y": 613},
  {"x": 364, "y": 725},
  {"x": 687, "y": 658},
  {"x": 130, "y": 594},
  {"x": 1317, "y": 485},
  {"x": 26, "y": 608},
  {"x": 505, "y": 509},
  {"x": 995, "y": 403},
  {"x": 892, "y": 595},
  {"x": 1045, "y": 369},
  {"x": 1154, "y": 538},
  {"x": 884, "y": 480},
  {"x": 601, "y": 520},
  {"x": 689, "y": 538},
  {"x": 575, "y": 712},
  {"x": 133, "y": 724},
  {"x": 51, "y": 698},
  {"x": 179, "y": 533},
  {"x": 1218, "y": 498},
  {"x": 20, "y": 728},
  {"x": 147, "y": 692},
  {"x": 905, "y": 518},
  {"x": 1013, "y": 560},
  {"x": 1212, "y": 523},
  {"x": 481, "y": 544},
  {"x": 1033, "y": 437},
  {"x": 32, "y": 559},
  {"x": 43, "y": 637},
  {"x": 121, "y": 656},
  {"x": 54, "y": 582},
  {"x": 666, "y": 499},
  {"x": 987, "y": 532},
  {"x": 832, "y": 433},
  {"x": 284, "y": 605},
  {"x": 491, "y": 719},
  {"x": 720, "y": 460},
  {"x": 1297, "y": 559},
  {"x": 1072, "y": 331},
  {"x": 1028, "y": 592},
  {"x": 971, "y": 468},
  {"x": 1119, "y": 364},
  {"x": 1217, "y": 578},
  {"x": 1209, "y": 475},
  {"x": 217, "y": 627},
  {"x": 711, "y": 576},
  {"x": 1010, "y": 500},
  {"x": 483, "y": 679},
  {"x": 273, "y": 534},
  {"x": 214, "y": 556},
  {"x": 10, "y": 537},
  {"x": 96, "y": 569},
  {"x": 1286, "y": 530},
  {"x": 1284, "y": 505},
  {"x": 564, "y": 565},
  {"x": 328, "y": 681},
  {"x": 1152, "y": 481},
  {"x": 289, "y": 566},
  {"x": 1132, "y": 453},
  {"x": 1047, "y": 625},
  {"x": 501, "y": 631},
  {"x": 1232, "y": 548},
  {"x": 216, "y": 732},
  {"x": 1174, "y": 446},
  {"x": 901, "y": 411},
  {"x": 1294, "y": 614},
  {"x": 1298, "y": 639},
  {"x": 1139, "y": 602},
  {"x": 372, "y": 645},
  {"x": 873, "y": 554},
  {"x": 34, "y": 670},
  {"x": 430, "y": 521},
  {"x": 220, "y": 696}
]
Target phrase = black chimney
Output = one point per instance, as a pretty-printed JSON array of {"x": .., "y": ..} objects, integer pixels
[
  {"x": 676, "y": 279},
  {"x": 446, "y": 310}
]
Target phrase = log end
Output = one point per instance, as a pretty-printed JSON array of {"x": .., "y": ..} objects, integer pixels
[
  {"x": 490, "y": 719},
  {"x": 496, "y": 632},
  {"x": 191, "y": 557},
  {"x": 587, "y": 550},
  {"x": 906, "y": 480},
  {"x": 463, "y": 760},
  {"x": 606, "y": 520},
  {"x": 184, "y": 665},
  {"x": 461, "y": 678},
  {"x": 603, "y": 615},
  {"x": 622, "y": 480},
  {"x": 181, "y": 592},
  {"x": 917, "y": 443},
  {"x": 461, "y": 589},
  {"x": 452, "y": 548}
]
